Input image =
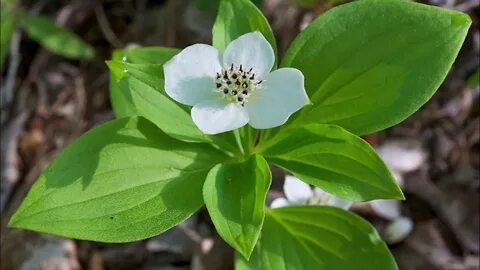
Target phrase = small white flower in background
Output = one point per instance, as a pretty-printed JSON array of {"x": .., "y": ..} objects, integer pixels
[
  {"x": 230, "y": 90},
  {"x": 398, "y": 229},
  {"x": 300, "y": 193},
  {"x": 401, "y": 157}
]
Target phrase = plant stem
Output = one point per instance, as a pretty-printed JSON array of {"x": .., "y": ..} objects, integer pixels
[{"x": 238, "y": 139}]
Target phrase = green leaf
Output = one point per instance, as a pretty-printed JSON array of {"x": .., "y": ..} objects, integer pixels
[
  {"x": 145, "y": 55},
  {"x": 118, "y": 72},
  {"x": 156, "y": 56},
  {"x": 150, "y": 74},
  {"x": 122, "y": 181},
  {"x": 235, "y": 198},
  {"x": 238, "y": 17},
  {"x": 141, "y": 99},
  {"x": 211, "y": 6},
  {"x": 56, "y": 39},
  {"x": 474, "y": 79},
  {"x": 320, "y": 238},
  {"x": 138, "y": 89},
  {"x": 333, "y": 159},
  {"x": 370, "y": 64},
  {"x": 162, "y": 111},
  {"x": 7, "y": 26}
]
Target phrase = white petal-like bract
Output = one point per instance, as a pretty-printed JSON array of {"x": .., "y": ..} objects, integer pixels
[
  {"x": 296, "y": 191},
  {"x": 402, "y": 156},
  {"x": 279, "y": 202},
  {"x": 324, "y": 198},
  {"x": 282, "y": 94},
  {"x": 229, "y": 91},
  {"x": 251, "y": 50},
  {"x": 387, "y": 209},
  {"x": 217, "y": 116},
  {"x": 397, "y": 230},
  {"x": 189, "y": 76}
]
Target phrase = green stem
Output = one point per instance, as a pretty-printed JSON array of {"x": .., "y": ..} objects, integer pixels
[
  {"x": 250, "y": 139},
  {"x": 238, "y": 139}
]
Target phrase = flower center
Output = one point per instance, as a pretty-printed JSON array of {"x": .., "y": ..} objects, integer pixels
[{"x": 236, "y": 84}]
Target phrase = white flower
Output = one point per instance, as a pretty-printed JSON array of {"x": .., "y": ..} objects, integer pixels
[
  {"x": 401, "y": 157},
  {"x": 398, "y": 229},
  {"x": 299, "y": 193},
  {"x": 230, "y": 90}
]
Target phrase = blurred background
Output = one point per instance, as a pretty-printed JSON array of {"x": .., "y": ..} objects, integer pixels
[{"x": 49, "y": 98}]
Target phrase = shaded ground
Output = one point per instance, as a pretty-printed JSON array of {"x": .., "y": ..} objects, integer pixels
[{"x": 56, "y": 100}]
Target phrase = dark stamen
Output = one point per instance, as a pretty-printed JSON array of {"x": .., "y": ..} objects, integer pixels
[
  {"x": 225, "y": 75},
  {"x": 244, "y": 84},
  {"x": 218, "y": 85},
  {"x": 234, "y": 76},
  {"x": 218, "y": 75},
  {"x": 259, "y": 82},
  {"x": 245, "y": 92},
  {"x": 252, "y": 77},
  {"x": 229, "y": 82},
  {"x": 237, "y": 82},
  {"x": 240, "y": 99},
  {"x": 244, "y": 76},
  {"x": 250, "y": 70},
  {"x": 231, "y": 67},
  {"x": 225, "y": 91},
  {"x": 241, "y": 68},
  {"x": 234, "y": 92}
]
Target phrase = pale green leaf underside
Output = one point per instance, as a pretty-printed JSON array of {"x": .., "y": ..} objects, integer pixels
[
  {"x": 235, "y": 198},
  {"x": 320, "y": 238},
  {"x": 122, "y": 181},
  {"x": 370, "y": 64},
  {"x": 56, "y": 39},
  {"x": 238, "y": 17},
  {"x": 333, "y": 159}
]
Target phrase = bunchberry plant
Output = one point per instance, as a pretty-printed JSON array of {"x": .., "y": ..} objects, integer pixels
[{"x": 359, "y": 68}]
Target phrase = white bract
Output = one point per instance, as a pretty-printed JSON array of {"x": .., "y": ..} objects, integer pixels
[
  {"x": 401, "y": 157},
  {"x": 397, "y": 230},
  {"x": 300, "y": 193},
  {"x": 230, "y": 90}
]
